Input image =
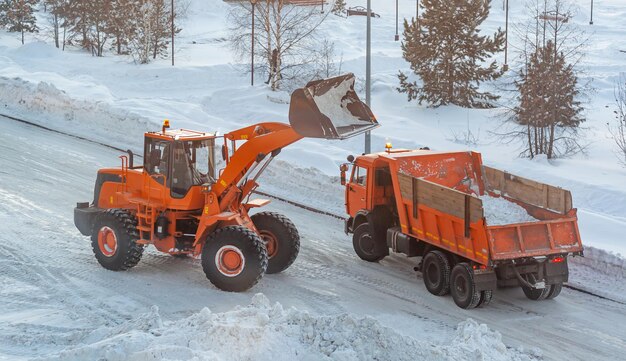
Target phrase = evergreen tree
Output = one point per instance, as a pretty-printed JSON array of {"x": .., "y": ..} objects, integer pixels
[
  {"x": 339, "y": 7},
  {"x": 18, "y": 16},
  {"x": 548, "y": 105},
  {"x": 445, "y": 49}
]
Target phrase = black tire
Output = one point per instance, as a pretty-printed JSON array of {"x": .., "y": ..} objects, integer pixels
[
  {"x": 366, "y": 246},
  {"x": 462, "y": 286},
  {"x": 281, "y": 239},
  {"x": 536, "y": 294},
  {"x": 485, "y": 298},
  {"x": 245, "y": 244},
  {"x": 555, "y": 290},
  {"x": 121, "y": 226},
  {"x": 436, "y": 273}
]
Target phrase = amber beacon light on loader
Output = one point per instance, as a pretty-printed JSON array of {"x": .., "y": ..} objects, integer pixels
[{"x": 177, "y": 200}]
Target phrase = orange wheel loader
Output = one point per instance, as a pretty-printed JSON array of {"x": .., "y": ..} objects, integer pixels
[
  {"x": 433, "y": 205},
  {"x": 176, "y": 201}
]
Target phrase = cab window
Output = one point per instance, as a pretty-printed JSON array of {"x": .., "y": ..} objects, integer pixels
[{"x": 359, "y": 176}]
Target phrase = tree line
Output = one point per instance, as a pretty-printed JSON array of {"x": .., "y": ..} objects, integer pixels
[
  {"x": 140, "y": 28},
  {"x": 451, "y": 57}
]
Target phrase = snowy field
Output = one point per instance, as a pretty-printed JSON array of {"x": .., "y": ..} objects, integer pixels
[{"x": 58, "y": 303}]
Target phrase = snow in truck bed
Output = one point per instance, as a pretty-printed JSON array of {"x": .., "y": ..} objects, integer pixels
[{"x": 500, "y": 211}]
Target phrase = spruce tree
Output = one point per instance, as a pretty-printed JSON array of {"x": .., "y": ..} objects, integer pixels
[
  {"x": 548, "y": 91},
  {"x": 339, "y": 7},
  {"x": 18, "y": 16},
  {"x": 446, "y": 50}
]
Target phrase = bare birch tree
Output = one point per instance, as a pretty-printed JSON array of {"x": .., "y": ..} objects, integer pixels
[
  {"x": 286, "y": 40},
  {"x": 618, "y": 127}
]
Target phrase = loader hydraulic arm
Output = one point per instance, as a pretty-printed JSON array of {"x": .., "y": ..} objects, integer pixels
[{"x": 261, "y": 140}]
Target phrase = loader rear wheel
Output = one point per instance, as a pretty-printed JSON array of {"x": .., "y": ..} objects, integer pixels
[
  {"x": 462, "y": 286},
  {"x": 436, "y": 273},
  {"x": 281, "y": 239},
  {"x": 366, "y": 246},
  {"x": 234, "y": 258},
  {"x": 555, "y": 290},
  {"x": 114, "y": 240}
]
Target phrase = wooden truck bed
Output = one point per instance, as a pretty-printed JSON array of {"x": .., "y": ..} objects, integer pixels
[{"x": 454, "y": 219}]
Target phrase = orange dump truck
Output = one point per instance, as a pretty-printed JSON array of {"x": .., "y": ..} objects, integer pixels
[{"x": 476, "y": 227}]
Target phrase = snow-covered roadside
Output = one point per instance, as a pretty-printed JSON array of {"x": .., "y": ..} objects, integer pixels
[{"x": 262, "y": 331}]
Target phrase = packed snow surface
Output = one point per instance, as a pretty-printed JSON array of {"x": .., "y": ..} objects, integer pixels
[
  {"x": 500, "y": 211},
  {"x": 261, "y": 331}
]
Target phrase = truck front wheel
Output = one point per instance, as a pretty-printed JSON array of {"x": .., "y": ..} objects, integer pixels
[
  {"x": 366, "y": 246},
  {"x": 462, "y": 286},
  {"x": 436, "y": 273}
]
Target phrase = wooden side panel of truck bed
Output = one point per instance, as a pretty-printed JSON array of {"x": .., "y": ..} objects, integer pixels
[{"x": 454, "y": 220}]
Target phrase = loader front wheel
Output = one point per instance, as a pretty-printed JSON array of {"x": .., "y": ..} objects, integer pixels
[
  {"x": 366, "y": 246},
  {"x": 463, "y": 287},
  {"x": 436, "y": 273},
  {"x": 114, "y": 240},
  {"x": 281, "y": 239},
  {"x": 234, "y": 258}
]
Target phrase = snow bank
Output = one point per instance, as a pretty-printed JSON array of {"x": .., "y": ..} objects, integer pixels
[
  {"x": 261, "y": 331},
  {"x": 499, "y": 211},
  {"x": 44, "y": 104}
]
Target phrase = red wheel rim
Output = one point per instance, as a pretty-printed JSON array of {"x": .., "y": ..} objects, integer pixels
[
  {"x": 107, "y": 241},
  {"x": 230, "y": 261},
  {"x": 271, "y": 245}
]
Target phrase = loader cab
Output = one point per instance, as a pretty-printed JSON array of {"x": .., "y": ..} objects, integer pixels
[{"x": 180, "y": 159}]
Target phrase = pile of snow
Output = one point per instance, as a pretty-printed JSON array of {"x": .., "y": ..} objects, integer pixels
[
  {"x": 261, "y": 331},
  {"x": 585, "y": 271},
  {"x": 44, "y": 104},
  {"x": 500, "y": 211}
]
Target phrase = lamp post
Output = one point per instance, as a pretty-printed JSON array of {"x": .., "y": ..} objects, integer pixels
[
  {"x": 417, "y": 12},
  {"x": 368, "y": 72},
  {"x": 172, "y": 32},
  {"x": 591, "y": 20},
  {"x": 397, "y": 36},
  {"x": 253, "y": 2},
  {"x": 506, "y": 34}
]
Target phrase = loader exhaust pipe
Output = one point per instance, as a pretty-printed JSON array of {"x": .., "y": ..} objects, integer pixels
[{"x": 330, "y": 109}]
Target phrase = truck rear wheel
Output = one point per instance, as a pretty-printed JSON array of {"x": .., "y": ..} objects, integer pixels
[
  {"x": 537, "y": 294},
  {"x": 281, "y": 238},
  {"x": 463, "y": 288},
  {"x": 366, "y": 246},
  {"x": 234, "y": 258},
  {"x": 555, "y": 290},
  {"x": 485, "y": 298},
  {"x": 436, "y": 273},
  {"x": 114, "y": 240}
]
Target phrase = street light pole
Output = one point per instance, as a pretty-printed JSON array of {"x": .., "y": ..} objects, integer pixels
[
  {"x": 253, "y": 2},
  {"x": 397, "y": 35},
  {"x": 506, "y": 35},
  {"x": 591, "y": 20},
  {"x": 368, "y": 72},
  {"x": 172, "y": 32}
]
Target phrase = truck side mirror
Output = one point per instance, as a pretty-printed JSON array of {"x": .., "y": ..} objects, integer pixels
[
  {"x": 350, "y": 158},
  {"x": 343, "y": 168}
]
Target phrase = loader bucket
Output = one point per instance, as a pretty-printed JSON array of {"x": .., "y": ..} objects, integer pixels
[{"x": 330, "y": 109}]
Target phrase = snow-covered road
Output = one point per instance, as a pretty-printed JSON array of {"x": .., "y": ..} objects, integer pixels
[{"x": 54, "y": 294}]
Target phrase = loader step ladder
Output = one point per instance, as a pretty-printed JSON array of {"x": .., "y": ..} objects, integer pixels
[{"x": 146, "y": 215}]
